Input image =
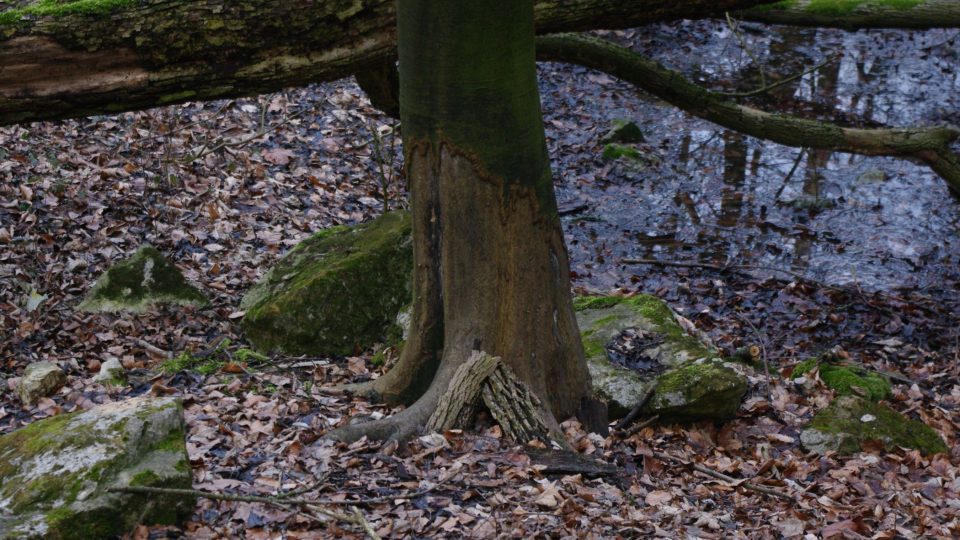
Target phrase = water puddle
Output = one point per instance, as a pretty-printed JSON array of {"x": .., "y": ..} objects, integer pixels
[{"x": 707, "y": 196}]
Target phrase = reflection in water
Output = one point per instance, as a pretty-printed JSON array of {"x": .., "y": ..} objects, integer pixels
[{"x": 722, "y": 198}]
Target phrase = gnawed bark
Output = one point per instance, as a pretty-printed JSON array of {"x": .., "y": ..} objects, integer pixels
[
  {"x": 919, "y": 14},
  {"x": 484, "y": 382},
  {"x": 928, "y": 145},
  {"x": 81, "y": 62},
  {"x": 490, "y": 266}
]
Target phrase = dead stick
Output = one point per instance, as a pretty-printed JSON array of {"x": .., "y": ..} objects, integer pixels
[
  {"x": 710, "y": 472},
  {"x": 632, "y": 415},
  {"x": 636, "y": 429},
  {"x": 283, "y": 503}
]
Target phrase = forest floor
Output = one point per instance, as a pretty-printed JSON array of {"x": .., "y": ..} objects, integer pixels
[{"x": 224, "y": 188}]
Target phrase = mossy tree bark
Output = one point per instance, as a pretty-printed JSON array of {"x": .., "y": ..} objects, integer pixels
[
  {"x": 84, "y": 57},
  {"x": 854, "y": 15},
  {"x": 490, "y": 267}
]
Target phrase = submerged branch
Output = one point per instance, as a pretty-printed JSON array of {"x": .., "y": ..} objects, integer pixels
[{"x": 929, "y": 145}]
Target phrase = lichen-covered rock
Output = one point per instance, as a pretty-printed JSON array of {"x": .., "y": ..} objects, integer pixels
[
  {"x": 846, "y": 380},
  {"x": 693, "y": 385},
  {"x": 334, "y": 293},
  {"x": 140, "y": 282},
  {"x": 40, "y": 379},
  {"x": 56, "y": 471},
  {"x": 708, "y": 389},
  {"x": 849, "y": 421}
]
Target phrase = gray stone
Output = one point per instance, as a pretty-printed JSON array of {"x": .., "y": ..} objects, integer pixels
[
  {"x": 111, "y": 372},
  {"x": 56, "y": 472},
  {"x": 39, "y": 380},
  {"x": 135, "y": 285},
  {"x": 694, "y": 385}
]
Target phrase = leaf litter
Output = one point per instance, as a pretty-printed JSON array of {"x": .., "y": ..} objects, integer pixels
[{"x": 224, "y": 188}]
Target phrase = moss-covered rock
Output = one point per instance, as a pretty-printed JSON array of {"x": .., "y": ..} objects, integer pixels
[
  {"x": 708, "y": 389},
  {"x": 849, "y": 421},
  {"x": 56, "y": 472},
  {"x": 694, "y": 386},
  {"x": 39, "y": 380},
  {"x": 846, "y": 380},
  {"x": 144, "y": 280},
  {"x": 623, "y": 131},
  {"x": 335, "y": 293}
]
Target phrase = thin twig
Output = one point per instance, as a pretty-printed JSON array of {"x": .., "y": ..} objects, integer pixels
[
  {"x": 154, "y": 349},
  {"x": 720, "y": 476},
  {"x": 782, "y": 82},
  {"x": 786, "y": 179},
  {"x": 735, "y": 28},
  {"x": 632, "y": 415},
  {"x": 636, "y": 429}
]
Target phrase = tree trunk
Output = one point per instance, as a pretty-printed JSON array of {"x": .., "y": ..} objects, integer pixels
[
  {"x": 490, "y": 261},
  {"x": 70, "y": 59},
  {"x": 917, "y": 14}
]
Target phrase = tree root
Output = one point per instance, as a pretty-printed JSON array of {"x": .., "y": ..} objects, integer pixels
[
  {"x": 928, "y": 145},
  {"x": 481, "y": 382}
]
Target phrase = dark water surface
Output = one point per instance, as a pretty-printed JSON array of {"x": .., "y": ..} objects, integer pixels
[{"x": 707, "y": 195}]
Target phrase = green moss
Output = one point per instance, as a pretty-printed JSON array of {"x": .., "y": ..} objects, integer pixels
[
  {"x": 59, "y": 8},
  {"x": 839, "y": 8},
  {"x": 172, "y": 443},
  {"x": 145, "y": 478},
  {"x": 614, "y": 151},
  {"x": 335, "y": 293},
  {"x": 697, "y": 391},
  {"x": 845, "y": 416},
  {"x": 177, "y": 97},
  {"x": 847, "y": 380},
  {"x": 581, "y": 303}
]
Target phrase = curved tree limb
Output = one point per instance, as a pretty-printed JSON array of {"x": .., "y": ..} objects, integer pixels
[
  {"x": 83, "y": 57},
  {"x": 863, "y": 14},
  {"x": 929, "y": 145}
]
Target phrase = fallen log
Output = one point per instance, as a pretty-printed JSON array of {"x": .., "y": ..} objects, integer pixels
[
  {"x": 914, "y": 14},
  {"x": 85, "y": 57}
]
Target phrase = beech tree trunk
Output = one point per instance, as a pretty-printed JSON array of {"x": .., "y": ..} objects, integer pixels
[
  {"x": 80, "y": 58},
  {"x": 491, "y": 271},
  {"x": 855, "y": 15}
]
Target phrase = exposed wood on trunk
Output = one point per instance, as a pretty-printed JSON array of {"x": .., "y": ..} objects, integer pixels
[
  {"x": 864, "y": 14},
  {"x": 154, "y": 53},
  {"x": 928, "y": 145},
  {"x": 484, "y": 382}
]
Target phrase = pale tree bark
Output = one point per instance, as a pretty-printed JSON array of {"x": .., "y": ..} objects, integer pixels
[
  {"x": 73, "y": 60},
  {"x": 855, "y": 15},
  {"x": 491, "y": 272},
  {"x": 930, "y": 145}
]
